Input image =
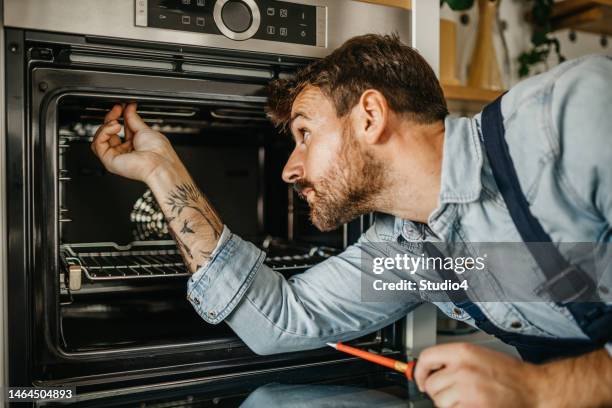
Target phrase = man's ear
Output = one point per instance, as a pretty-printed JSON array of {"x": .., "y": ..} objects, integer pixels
[{"x": 373, "y": 115}]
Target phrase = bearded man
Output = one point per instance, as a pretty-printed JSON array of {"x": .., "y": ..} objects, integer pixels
[{"x": 372, "y": 134}]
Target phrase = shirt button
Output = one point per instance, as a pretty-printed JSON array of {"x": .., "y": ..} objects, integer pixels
[
  {"x": 516, "y": 324},
  {"x": 212, "y": 314},
  {"x": 457, "y": 311}
]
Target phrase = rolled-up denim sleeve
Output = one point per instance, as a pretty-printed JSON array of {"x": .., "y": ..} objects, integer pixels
[
  {"x": 215, "y": 289},
  {"x": 272, "y": 314}
]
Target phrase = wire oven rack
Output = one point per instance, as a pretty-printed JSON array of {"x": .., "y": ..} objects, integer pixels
[{"x": 96, "y": 262}]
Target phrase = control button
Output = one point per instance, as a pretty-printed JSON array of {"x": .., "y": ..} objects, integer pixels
[
  {"x": 162, "y": 17},
  {"x": 283, "y": 13},
  {"x": 271, "y": 30},
  {"x": 283, "y": 31},
  {"x": 186, "y": 19},
  {"x": 201, "y": 3},
  {"x": 303, "y": 16},
  {"x": 271, "y": 11},
  {"x": 236, "y": 16},
  {"x": 303, "y": 33},
  {"x": 200, "y": 21},
  {"x": 237, "y": 19}
]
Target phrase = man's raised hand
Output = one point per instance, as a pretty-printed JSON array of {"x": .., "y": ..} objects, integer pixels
[{"x": 140, "y": 154}]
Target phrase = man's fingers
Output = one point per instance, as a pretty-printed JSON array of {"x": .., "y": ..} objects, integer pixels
[
  {"x": 449, "y": 397},
  {"x": 439, "y": 381},
  {"x": 125, "y": 147},
  {"x": 102, "y": 139},
  {"x": 427, "y": 368},
  {"x": 113, "y": 114},
  {"x": 114, "y": 139},
  {"x": 436, "y": 357},
  {"x": 132, "y": 119},
  {"x": 129, "y": 135}
]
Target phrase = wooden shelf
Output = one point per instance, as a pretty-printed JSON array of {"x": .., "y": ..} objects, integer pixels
[
  {"x": 594, "y": 16},
  {"x": 394, "y": 3},
  {"x": 466, "y": 93},
  {"x": 468, "y": 100}
]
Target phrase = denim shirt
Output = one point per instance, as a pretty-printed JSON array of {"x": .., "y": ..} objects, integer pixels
[{"x": 559, "y": 133}]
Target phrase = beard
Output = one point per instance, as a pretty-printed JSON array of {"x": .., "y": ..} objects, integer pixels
[{"x": 350, "y": 188}]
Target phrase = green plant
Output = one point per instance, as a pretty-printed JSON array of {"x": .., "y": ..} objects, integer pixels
[
  {"x": 458, "y": 5},
  {"x": 541, "y": 40},
  {"x": 542, "y": 43}
]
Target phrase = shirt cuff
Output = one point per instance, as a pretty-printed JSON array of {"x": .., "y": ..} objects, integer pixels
[{"x": 215, "y": 289}]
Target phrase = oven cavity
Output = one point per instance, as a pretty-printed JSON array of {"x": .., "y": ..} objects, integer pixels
[{"x": 121, "y": 278}]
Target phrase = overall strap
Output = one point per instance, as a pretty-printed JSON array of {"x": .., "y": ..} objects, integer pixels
[
  {"x": 533, "y": 349},
  {"x": 566, "y": 283}
]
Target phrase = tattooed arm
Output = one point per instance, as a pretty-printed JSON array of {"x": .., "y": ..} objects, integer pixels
[
  {"x": 193, "y": 222},
  {"x": 146, "y": 155}
]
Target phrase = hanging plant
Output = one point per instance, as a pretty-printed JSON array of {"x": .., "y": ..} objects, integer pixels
[
  {"x": 541, "y": 40},
  {"x": 542, "y": 43}
]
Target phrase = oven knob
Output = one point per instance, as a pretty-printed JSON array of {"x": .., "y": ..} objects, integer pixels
[{"x": 237, "y": 19}]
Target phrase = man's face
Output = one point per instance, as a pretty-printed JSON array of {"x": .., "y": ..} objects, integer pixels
[{"x": 328, "y": 167}]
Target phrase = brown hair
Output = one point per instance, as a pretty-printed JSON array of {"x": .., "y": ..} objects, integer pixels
[{"x": 366, "y": 62}]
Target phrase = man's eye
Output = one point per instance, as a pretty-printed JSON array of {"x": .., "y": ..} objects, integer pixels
[{"x": 305, "y": 135}]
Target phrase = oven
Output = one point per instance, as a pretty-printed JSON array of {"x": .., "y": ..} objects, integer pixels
[{"x": 96, "y": 287}]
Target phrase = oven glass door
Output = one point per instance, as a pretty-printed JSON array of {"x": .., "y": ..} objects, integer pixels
[{"x": 107, "y": 277}]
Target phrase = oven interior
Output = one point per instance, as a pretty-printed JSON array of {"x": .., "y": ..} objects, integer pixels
[{"x": 122, "y": 283}]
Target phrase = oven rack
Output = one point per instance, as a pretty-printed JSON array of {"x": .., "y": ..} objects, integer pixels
[
  {"x": 99, "y": 262},
  {"x": 299, "y": 261}
]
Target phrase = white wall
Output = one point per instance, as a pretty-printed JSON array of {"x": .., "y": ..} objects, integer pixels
[{"x": 518, "y": 35}]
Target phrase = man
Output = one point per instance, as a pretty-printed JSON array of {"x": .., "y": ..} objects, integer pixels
[{"x": 372, "y": 134}]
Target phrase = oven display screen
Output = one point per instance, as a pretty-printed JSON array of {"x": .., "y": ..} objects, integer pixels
[{"x": 237, "y": 19}]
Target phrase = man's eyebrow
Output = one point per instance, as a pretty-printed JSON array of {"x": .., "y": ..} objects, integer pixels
[{"x": 296, "y": 115}]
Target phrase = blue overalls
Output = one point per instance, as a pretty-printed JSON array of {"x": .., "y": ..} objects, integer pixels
[{"x": 564, "y": 281}]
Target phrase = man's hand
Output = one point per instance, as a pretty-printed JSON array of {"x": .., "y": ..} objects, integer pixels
[
  {"x": 466, "y": 375},
  {"x": 147, "y": 155},
  {"x": 141, "y": 153}
]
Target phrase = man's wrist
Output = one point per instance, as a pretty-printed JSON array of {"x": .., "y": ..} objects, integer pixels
[{"x": 166, "y": 175}]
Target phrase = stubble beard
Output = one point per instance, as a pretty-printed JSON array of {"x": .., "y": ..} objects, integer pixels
[{"x": 350, "y": 189}]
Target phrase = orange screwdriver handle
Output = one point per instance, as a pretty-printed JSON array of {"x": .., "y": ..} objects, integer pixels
[{"x": 406, "y": 368}]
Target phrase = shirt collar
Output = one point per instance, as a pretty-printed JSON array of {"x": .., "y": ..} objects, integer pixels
[
  {"x": 460, "y": 182},
  {"x": 461, "y": 161}
]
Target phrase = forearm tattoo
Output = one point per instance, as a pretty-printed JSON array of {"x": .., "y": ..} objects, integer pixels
[{"x": 193, "y": 223}]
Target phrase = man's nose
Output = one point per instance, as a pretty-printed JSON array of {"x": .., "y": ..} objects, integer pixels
[{"x": 294, "y": 169}]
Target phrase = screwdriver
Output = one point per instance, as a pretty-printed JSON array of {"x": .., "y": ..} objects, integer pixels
[{"x": 406, "y": 368}]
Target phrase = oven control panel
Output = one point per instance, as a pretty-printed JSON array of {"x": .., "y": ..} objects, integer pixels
[{"x": 238, "y": 20}]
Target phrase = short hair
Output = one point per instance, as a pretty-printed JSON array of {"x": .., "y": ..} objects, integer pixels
[{"x": 380, "y": 62}]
